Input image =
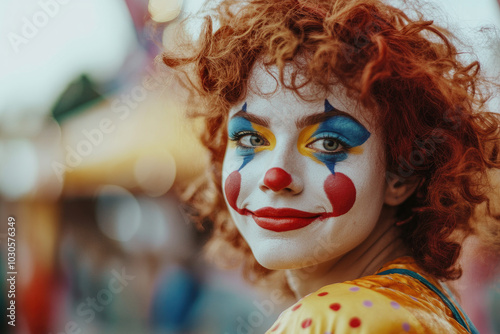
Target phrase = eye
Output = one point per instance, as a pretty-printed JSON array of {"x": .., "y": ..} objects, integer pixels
[
  {"x": 327, "y": 145},
  {"x": 251, "y": 140}
]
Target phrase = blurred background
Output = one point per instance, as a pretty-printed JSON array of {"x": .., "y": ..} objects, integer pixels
[{"x": 92, "y": 142}]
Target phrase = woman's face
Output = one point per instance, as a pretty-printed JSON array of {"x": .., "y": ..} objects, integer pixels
[{"x": 304, "y": 181}]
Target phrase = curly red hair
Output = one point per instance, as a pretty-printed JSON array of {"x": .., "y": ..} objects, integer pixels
[{"x": 430, "y": 105}]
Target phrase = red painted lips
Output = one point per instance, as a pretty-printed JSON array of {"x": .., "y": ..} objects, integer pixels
[{"x": 283, "y": 219}]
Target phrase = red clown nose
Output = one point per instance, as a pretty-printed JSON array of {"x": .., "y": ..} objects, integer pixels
[{"x": 277, "y": 179}]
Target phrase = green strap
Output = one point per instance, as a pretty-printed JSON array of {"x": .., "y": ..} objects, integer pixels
[{"x": 466, "y": 323}]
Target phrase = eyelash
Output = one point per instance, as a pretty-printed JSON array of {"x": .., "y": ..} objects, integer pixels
[
  {"x": 344, "y": 147},
  {"x": 236, "y": 137}
]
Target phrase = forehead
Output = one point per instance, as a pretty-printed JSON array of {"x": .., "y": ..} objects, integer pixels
[{"x": 266, "y": 97}]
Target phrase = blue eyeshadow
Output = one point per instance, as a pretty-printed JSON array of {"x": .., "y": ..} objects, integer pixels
[{"x": 349, "y": 131}]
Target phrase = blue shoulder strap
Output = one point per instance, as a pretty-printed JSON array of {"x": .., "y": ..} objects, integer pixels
[{"x": 466, "y": 323}]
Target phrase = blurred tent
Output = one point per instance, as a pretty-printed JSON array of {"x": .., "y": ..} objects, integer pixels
[{"x": 143, "y": 146}]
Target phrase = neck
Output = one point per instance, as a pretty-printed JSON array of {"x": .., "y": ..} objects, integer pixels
[{"x": 383, "y": 245}]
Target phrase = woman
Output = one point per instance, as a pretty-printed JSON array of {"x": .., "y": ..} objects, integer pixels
[{"x": 349, "y": 146}]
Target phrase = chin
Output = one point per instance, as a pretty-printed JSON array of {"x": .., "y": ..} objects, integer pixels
[{"x": 282, "y": 259}]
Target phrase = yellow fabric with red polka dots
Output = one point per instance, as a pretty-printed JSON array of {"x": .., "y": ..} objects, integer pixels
[{"x": 373, "y": 304}]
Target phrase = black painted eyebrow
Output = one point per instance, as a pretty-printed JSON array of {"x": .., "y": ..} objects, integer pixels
[
  {"x": 263, "y": 121},
  {"x": 321, "y": 117}
]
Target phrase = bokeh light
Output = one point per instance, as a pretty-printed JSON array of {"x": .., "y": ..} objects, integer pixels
[
  {"x": 165, "y": 10},
  {"x": 155, "y": 174},
  {"x": 118, "y": 213},
  {"x": 18, "y": 168}
]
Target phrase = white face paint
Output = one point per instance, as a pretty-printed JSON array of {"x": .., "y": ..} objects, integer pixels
[{"x": 304, "y": 181}]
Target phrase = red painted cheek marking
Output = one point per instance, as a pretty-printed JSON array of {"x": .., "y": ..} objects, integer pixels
[
  {"x": 341, "y": 192},
  {"x": 277, "y": 179},
  {"x": 232, "y": 189}
]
